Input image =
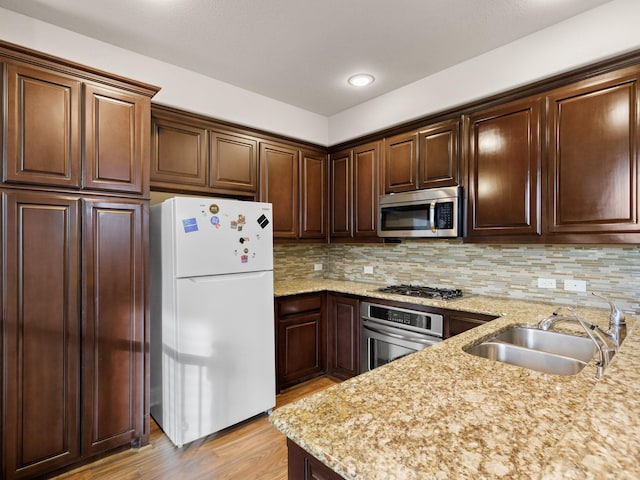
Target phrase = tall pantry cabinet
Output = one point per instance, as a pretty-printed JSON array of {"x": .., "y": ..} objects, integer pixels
[{"x": 74, "y": 198}]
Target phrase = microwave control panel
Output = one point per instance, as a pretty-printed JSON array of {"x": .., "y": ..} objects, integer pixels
[{"x": 444, "y": 215}]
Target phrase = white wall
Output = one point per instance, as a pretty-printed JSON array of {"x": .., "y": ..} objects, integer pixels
[
  {"x": 606, "y": 31},
  {"x": 180, "y": 88},
  {"x": 603, "y": 32}
]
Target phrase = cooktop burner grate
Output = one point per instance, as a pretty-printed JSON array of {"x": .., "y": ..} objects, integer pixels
[{"x": 422, "y": 291}]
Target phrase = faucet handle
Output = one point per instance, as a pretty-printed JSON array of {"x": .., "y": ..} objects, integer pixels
[{"x": 616, "y": 316}]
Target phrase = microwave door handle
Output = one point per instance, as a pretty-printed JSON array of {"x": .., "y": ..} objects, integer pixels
[{"x": 432, "y": 216}]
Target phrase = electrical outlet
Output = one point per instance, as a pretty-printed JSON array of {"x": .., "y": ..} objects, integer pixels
[
  {"x": 317, "y": 266},
  {"x": 368, "y": 269},
  {"x": 575, "y": 285},
  {"x": 546, "y": 283}
]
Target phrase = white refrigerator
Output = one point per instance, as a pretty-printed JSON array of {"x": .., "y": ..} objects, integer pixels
[{"x": 212, "y": 331}]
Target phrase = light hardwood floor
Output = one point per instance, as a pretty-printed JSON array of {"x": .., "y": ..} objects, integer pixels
[{"x": 252, "y": 450}]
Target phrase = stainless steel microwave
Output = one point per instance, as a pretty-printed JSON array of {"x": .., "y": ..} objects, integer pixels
[{"x": 433, "y": 212}]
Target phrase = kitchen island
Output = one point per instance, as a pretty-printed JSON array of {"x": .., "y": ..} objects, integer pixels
[{"x": 442, "y": 413}]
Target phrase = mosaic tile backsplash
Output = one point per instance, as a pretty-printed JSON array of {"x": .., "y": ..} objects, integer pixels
[{"x": 510, "y": 271}]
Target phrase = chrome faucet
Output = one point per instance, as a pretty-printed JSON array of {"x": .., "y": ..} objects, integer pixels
[
  {"x": 617, "y": 322},
  {"x": 606, "y": 342}
]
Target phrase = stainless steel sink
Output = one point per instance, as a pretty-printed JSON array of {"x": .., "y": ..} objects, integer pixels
[
  {"x": 580, "y": 348},
  {"x": 544, "y": 351}
]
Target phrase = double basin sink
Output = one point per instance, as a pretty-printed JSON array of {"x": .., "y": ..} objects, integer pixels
[{"x": 536, "y": 349}]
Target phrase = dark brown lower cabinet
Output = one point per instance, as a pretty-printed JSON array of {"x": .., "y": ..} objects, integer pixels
[
  {"x": 343, "y": 336},
  {"x": 113, "y": 325},
  {"x": 304, "y": 466},
  {"x": 459, "y": 322},
  {"x": 300, "y": 339},
  {"x": 73, "y": 361},
  {"x": 41, "y": 333}
]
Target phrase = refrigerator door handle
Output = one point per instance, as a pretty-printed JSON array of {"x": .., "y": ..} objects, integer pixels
[{"x": 227, "y": 277}]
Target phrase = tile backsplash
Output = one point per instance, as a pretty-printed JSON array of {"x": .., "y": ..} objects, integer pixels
[
  {"x": 296, "y": 261},
  {"x": 510, "y": 271}
]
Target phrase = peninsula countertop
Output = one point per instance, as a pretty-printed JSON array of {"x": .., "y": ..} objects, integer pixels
[{"x": 442, "y": 413}]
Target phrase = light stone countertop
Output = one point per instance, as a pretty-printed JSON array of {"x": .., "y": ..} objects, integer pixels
[{"x": 444, "y": 414}]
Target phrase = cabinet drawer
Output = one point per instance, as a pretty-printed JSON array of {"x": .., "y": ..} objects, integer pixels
[{"x": 292, "y": 306}]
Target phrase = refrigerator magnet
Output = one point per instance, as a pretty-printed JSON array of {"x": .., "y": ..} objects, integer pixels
[{"x": 190, "y": 225}]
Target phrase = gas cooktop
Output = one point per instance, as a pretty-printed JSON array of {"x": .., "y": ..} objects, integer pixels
[{"x": 422, "y": 291}]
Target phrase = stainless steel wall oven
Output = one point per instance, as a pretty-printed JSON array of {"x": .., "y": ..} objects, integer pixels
[{"x": 390, "y": 333}]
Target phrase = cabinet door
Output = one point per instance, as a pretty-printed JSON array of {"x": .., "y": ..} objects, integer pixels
[
  {"x": 343, "y": 336},
  {"x": 593, "y": 156},
  {"x": 43, "y": 128},
  {"x": 3, "y": 324},
  {"x": 300, "y": 348},
  {"x": 41, "y": 334},
  {"x": 439, "y": 158},
  {"x": 504, "y": 166},
  {"x": 113, "y": 328},
  {"x": 234, "y": 162},
  {"x": 341, "y": 212},
  {"x": 366, "y": 166},
  {"x": 178, "y": 154},
  {"x": 401, "y": 163},
  {"x": 279, "y": 186},
  {"x": 313, "y": 195},
  {"x": 117, "y": 136},
  {"x": 304, "y": 466}
]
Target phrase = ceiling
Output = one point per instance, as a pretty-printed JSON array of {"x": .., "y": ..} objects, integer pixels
[{"x": 302, "y": 51}]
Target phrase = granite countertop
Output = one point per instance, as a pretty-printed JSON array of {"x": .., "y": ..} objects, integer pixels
[{"x": 444, "y": 414}]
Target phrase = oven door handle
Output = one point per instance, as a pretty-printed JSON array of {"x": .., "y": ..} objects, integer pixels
[{"x": 402, "y": 337}]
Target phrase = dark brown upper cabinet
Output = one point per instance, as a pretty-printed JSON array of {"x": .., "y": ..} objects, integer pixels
[
  {"x": 313, "y": 195},
  {"x": 355, "y": 188},
  {"x": 366, "y": 190},
  {"x": 190, "y": 154},
  {"x": 504, "y": 167},
  {"x": 43, "y": 127},
  {"x": 196, "y": 155},
  {"x": 425, "y": 159},
  {"x": 401, "y": 162},
  {"x": 179, "y": 152},
  {"x": 234, "y": 162},
  {"x": 116, "y": 156},
  {"x": 593, "y": 155},
  {"x": 44, "y": 133},
  {"x": 295, "y": 183},
  {"x": 279, "y": 186},
  {"x": 341, "y": 194},
  {"x": 438, "y": 162}
]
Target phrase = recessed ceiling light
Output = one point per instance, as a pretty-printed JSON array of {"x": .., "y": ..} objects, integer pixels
[{"x": 361, "y": 79}]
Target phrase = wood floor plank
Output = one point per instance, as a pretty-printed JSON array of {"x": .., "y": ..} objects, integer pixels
[{"x": 253, "y": 450}]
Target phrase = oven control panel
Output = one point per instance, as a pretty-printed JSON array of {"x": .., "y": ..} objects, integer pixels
[{"x": 430, "y": 323}]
